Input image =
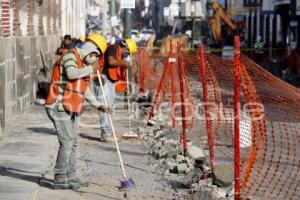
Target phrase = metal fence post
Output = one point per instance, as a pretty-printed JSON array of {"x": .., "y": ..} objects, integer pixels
[{"x": 236, "y": 74}]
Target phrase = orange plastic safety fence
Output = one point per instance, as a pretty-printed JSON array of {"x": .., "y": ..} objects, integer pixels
[{"x": 269, "y": 121}]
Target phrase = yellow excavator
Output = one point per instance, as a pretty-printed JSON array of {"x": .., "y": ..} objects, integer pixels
[
  {"x": 216, "y": 27},
  {"x": 215, "y": 21}
]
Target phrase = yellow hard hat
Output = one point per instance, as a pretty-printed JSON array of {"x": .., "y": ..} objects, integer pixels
[
  {"x": 98, "y": 40},
  {"x": 215, "y": 5},
  {"x": 131, "y": 46},
  {"x": 82, "y": 39}
]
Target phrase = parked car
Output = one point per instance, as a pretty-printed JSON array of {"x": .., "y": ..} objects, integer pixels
[
  {"x": 146, "y": 34},
  {"x": 135, "y": 35}
]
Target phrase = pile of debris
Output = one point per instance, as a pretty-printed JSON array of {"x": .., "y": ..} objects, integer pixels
[{"x": 191, "y": 169}]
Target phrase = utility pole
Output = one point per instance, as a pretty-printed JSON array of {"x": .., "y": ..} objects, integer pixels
[
  {"x": 127, "y": 23},
  {"x": 127, "y": 34},
  {"x": 112, "y": 11}
]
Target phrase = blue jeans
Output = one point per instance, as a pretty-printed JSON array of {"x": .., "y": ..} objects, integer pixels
[
  {"x": 67, "y": 130},
  {"x": 109, "y": 92}
]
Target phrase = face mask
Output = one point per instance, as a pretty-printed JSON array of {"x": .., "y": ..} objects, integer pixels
[
  {"x": 90, "y": 60},
  {"x": 124, "y": 55}
]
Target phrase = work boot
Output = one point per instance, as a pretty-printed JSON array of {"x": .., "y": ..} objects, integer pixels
[
  {"x": 60, "y": 182},
  {"x": 108, "y": 138},
  {"x": 76, "y": 182}
]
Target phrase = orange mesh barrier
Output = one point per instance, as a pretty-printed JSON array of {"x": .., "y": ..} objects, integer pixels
[
  {"x": 171, "y": 88},
  {"x": 268, "y": 121}
]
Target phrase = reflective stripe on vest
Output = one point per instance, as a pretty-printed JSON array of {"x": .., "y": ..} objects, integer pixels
[{"x": 71, "y": 95}]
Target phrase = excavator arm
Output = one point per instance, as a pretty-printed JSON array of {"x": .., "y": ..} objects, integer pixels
[{"x": 215, "y": 21}]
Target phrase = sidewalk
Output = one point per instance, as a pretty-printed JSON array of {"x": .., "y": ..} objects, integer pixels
[{"x": 28, "y": 154}]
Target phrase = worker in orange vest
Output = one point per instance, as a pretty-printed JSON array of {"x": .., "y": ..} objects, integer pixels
[
  {"x": 116, "y": 60},
  {"x": 69, "y": 87}
]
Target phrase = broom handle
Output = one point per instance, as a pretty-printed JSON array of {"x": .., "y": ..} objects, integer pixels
[
  {"x": 128, "y": 100},
  {"x": 112, "y": 128}
]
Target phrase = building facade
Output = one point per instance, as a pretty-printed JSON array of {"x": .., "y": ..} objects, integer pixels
[
  {"x": 29, "y": 29},
  {"x": 98, "y": 20},
  {"x": 73, "y": 17},
  {"x": 276, "y": 22}
]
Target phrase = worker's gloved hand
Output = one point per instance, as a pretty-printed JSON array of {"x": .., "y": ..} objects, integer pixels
[
  {"x": 95, "y": 68},
  {"x": 105, "y": 109},
  {"x": 127, "y": 61}
]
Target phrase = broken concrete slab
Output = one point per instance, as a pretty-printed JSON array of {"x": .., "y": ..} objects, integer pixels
[
  {"x": 181, "y": 168},
  {"x": 206, "y": 169},
  {"x": 159, "y": 134},
  {"x": 196, "y": 153},
  {"x": 207, "y": 181},
  {"x": 223, "y": 175},
  {"x": 192, "y": 177},
  {"x": 171, "y": 166},
  {"x": 219, "y": 192},
  {"x": 203, "y": 194},
  {"x": 172, "y": 153},
  {"x": 180, "y": 158},
  {"x": 189, "y": 162},
  {"x": 190, "y": 168}
]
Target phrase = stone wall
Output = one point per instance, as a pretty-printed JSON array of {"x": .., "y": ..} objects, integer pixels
[{"x": 20, "y": 62}]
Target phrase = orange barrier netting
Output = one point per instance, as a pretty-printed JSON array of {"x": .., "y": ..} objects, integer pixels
[
  {"x": 170, "y": 87},
  {"x": 269, "y": 121}
]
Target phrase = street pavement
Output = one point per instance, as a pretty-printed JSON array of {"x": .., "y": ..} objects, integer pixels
[{"x": 28, "y": 153}]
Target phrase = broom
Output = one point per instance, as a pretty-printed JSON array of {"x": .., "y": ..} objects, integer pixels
[
  {"x": 130, "y": 134},
  {"x": 127, "y": 183}
]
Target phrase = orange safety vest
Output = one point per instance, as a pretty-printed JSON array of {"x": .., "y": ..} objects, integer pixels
[
  {"x": 73, "y": 95},
  {"x": 118, "y": 74}
]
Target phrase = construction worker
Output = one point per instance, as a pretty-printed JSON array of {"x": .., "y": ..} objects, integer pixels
[
  {"x": 69, "y": 87},
  {"x": 101, "y": 44},
  {"x": 116, "y": 60},
  {"x": 67, "y": 42}
]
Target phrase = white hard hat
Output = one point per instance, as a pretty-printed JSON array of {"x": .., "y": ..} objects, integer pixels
[{"x": 88, "y": 48}]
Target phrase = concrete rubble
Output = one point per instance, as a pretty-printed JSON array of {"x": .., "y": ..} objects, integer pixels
[
  {"x": 223, "y": 175},
  {"x": 191, "y": 172}
]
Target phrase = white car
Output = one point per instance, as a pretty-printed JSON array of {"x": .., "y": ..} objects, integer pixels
[
  {"x": 146, "y": 34},
  {"x": 135, "y": 35}
]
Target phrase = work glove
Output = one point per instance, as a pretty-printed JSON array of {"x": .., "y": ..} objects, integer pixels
[
  {"x": 93, "y": 68},
  {"x": 105, "y": 109},
  {"x": 128, "y": 61}
]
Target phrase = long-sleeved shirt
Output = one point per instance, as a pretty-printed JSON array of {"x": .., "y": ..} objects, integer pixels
[{"x": 70, "y": 72}]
